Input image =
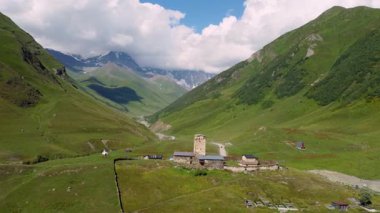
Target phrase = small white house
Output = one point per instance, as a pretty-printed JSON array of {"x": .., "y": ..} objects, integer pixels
[{"x": 104, "y": 153}]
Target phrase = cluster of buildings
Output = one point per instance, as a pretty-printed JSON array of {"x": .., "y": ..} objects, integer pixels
[{"x": 199, "y": 159}]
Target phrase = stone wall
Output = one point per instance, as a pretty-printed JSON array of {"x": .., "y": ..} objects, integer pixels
[
  {"x": 214, "y": 164},
  {"x": 183, "y": 159}
]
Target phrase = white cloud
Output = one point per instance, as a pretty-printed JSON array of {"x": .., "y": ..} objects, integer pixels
[{"x": 154, "y": 36}]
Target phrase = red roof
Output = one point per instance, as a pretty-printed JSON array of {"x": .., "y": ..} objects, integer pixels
[{"x": 340, "y": 203}]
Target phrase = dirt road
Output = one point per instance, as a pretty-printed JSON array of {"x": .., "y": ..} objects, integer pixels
[{"x": 348, "y": 180}]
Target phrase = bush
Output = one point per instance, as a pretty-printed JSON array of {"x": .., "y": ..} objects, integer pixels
[
  {"x": 267, "y": 104},
  {"x": 365, "y": 198},
  {"x": 200, "y": 172},
  {"x": 38, "y": 159}
]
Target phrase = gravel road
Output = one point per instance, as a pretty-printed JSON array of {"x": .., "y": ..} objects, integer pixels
[{"x": 348, "y": 180}]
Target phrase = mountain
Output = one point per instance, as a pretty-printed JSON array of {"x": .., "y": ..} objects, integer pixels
[
  {"x": 124, "y": 89},
  {"x": 188, "y": 79},
  {"x": 71, "y": 62},
  {"x": 319, "y": 84},
  {"x": 121, "y": 59},
  {"x": 116, "y": 79},
  {"x": 76, "y": 63},
  {"x": 43, "y": 113}
]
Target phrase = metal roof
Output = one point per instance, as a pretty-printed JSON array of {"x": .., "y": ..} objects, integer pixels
[
  {"x": 211, "y": 157},
  {"x": 184, "y": 154},
  {"x": 250, "y": 156},
  {"x": 153, "y": 156}
]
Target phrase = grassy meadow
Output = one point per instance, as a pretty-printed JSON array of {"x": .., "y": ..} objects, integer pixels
[
  {"x": 83, "y": 184},
  {"x": 160, "y": 186}
]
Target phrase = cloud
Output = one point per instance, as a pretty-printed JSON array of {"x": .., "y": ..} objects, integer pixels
[{"x": 154, "y": 36}]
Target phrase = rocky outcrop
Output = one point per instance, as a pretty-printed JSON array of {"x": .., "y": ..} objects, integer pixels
[
  {"x": 61, "y": 72},
  {"x": 19, "y": 92}
]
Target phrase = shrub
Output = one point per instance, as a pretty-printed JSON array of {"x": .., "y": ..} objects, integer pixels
[
  {"x": 38, "y": 159},
  {"x": 200, "y": 172},
  {"x": 365, "y": 198},
  {"x": 267, "y": 104}
]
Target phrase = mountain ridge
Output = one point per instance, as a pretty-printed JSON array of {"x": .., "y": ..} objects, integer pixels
[
  {"x": 317, "y": 83},
  {"x": 188, "y": 79},
  {"x": 43, "y": 113}
]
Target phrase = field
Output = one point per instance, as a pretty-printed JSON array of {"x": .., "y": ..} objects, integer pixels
[
  {"x": 87, "y": 184},
  {"x": 159, "y": 186},
  {"x": 83, "y": 184}
]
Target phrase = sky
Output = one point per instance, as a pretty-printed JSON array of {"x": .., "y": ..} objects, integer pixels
[
  {"x": 208, "y": 35},
  {"x": 198, "y": 14}
]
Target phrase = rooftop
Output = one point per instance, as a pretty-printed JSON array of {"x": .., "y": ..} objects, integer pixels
[
  {"x": 250, "y": 156},
  {"x": 184, "y": 154},
  {"x": 211, "y": 157},
  {"x": 153, "y": 156},
  {"x": 340, "y": 203}
]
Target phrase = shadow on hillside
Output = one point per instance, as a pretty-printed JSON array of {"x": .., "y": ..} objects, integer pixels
[{"x": 121, "y": 95}]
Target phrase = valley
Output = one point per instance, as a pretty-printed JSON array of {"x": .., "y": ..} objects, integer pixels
[
  {"x": 99, "y": 134},
  {"x": 117, "y": 80}
]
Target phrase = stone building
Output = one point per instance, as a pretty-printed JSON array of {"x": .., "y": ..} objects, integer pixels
[
  {"x": 198, "y": 158},
  {"x": 249, "y": 160},
  {"x": 152, "y": 157},
  {"x": 211, "y": 161},
  {"x": 199, "y": 145},
  {"x": 184, "y": 157}
]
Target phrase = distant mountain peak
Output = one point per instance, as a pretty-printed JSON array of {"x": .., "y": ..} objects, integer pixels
[{"x": 187, "y": 79}]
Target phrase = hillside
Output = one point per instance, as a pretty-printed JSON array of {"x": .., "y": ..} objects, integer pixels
[
  {"x": 318, "y": 83},
  {"x": 124, "y": 89},
  {"x": 43, "y": 113}
]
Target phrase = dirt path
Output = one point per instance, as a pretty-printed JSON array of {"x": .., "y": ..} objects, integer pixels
[
  {"x": 222, "y": 149},
  {"x": 348, "y": 180}
]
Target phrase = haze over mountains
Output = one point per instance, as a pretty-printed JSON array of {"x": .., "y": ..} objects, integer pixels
[
  {"x": 116, "y": 79},
  {"x": 188, "y": 79}
]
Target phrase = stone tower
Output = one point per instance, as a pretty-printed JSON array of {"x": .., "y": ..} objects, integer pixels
[{"x": 199, "y": 144}]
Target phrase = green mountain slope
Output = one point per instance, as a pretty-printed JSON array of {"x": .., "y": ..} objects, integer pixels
[
  {"x": 318, "y": 84},
  {"x": 42, "y": 111},
  {"x": 126, "y": 90}
]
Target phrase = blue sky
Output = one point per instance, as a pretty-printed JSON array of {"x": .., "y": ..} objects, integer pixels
[{"x": 201, "y": 13}]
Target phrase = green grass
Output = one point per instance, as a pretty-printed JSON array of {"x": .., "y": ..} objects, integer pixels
[
  {"x": 159, "y": 186},
  {"x": 83, "y": 184}
]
